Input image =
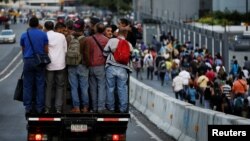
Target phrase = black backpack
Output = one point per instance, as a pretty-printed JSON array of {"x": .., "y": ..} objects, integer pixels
[
  {"x": 207, "y": 93},
  {"x": 162, "y": 66}
]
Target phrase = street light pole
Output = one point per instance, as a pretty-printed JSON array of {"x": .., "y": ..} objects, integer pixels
[{"x": 246, "y": 15}]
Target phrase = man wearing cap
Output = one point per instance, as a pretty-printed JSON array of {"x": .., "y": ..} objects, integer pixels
[{"x": 78, "y": 74}]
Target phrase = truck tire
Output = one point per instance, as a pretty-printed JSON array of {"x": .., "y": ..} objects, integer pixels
[
  {"x": 55, "y": 138},
  {"x": 98, "y": 138}
]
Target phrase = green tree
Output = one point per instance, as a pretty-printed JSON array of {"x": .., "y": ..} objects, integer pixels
[{"x": 6, "y": 1}]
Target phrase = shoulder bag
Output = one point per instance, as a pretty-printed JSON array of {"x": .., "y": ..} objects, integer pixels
[
  {"x": 18, "y": 95},
  {"x": 40, "y": 59}
]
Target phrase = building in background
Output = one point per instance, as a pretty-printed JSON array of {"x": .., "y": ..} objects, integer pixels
[
  {"x": 43, "y": 4},
  {"x": 50, "y": 2},
  {"x": 181, "y": 10}
]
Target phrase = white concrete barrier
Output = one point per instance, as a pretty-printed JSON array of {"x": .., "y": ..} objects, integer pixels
[
  {"x": 181, "y": 120},
  {"x": 196, "y": 123},
  {"x": 141, "y": 96},
  {"x": 243, "y": 122},
  {"x": 190, "y": 124},
  {"x": 225, "y": 119},
  {"x": 155, "y": 107},
  {"x": 178, "y": 118},
  {"x": 132, "y": 90},
  {"x": 167, "y": 113}
]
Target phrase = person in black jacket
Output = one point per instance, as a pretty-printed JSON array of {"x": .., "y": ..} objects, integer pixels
[{"x": 132, "y": 31}]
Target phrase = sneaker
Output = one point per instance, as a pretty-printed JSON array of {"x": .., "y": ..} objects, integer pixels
[
  {"x": 27, "y": 111},
  {"x": 58, "y": 112},
  {"x": 46, "y": 111},
  {"x": 75, "y": 110},
  {"x": 84, "y": 110},
  {"x": 93, "y": 111}
]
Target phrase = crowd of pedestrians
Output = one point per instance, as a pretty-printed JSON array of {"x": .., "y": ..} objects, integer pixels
[
  {"x": 195, "y": 75},
  {"x": 93, "y": 80}
]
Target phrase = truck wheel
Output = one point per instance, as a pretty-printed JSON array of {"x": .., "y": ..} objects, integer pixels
[
  {"x": 98, "y": 138},
  {"x": 55, "y": 138}
]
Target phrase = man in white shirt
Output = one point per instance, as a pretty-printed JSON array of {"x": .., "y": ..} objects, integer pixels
[
  {"x": 245, "y": 72},
  {"x": 185, "y": 75},
  {"x": 178, "y": 87},
  {"x": 55, "y": 71}
]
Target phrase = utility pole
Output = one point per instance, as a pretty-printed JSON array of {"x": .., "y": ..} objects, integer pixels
[
  {"x": 247, "y": 15},
  {"x": 61, "y": 5}
]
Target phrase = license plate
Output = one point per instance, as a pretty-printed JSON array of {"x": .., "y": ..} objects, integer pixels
[{"x": 79, "y": 128}]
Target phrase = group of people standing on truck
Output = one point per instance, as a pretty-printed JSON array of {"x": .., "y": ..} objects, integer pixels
[{"x": 93, "y": 78}]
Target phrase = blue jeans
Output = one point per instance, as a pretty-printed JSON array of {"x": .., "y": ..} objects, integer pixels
[
  {"x": 78, "y": 77},
  {"x": 117, "y": 76},
  {"x": 34, "y": 81},
  {"x": 97, "y": 82}
]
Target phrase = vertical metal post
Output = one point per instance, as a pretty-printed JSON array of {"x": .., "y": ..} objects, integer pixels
[
  {"x": 213, "y": 46},
  {"x": 206, "y": 42},
  {"x": 179, "y": 10},
  {"x": 225, "y": 51},
  {"x": 247, "y": 15},
  {"x": 221, "y": 48},
  {"x": 194, "y": 36},
  {"x": 200, "y": 40}
]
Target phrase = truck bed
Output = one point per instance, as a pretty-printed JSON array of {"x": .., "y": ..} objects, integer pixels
[
  {"x": 90, "y": 126},
  {"x": 84, "y": 126}
]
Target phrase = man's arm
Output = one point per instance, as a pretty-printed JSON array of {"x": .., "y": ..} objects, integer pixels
[
  {"x": 46, "y": 48},
  {"x": 107, "y": 48},
  {"x": 85, "y": 51}
]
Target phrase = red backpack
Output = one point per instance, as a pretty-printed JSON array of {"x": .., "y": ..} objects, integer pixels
[{"x": 122, "y": 52}]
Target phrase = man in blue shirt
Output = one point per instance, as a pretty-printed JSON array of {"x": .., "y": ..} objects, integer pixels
[{"x": 34, "y": 76}]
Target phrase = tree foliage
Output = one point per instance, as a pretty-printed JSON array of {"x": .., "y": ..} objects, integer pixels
[
  {"x": 6, "y": 1},
  {"x": 224, "y": 18}
]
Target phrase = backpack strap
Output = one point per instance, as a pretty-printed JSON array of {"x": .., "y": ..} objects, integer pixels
[
  {"x": 98, "y": 43},
  {"x": 80, "y": 37}
]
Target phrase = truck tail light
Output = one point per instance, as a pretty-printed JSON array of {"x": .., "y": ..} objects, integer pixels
[
  {"x": 115, "y": 137},
  {"x": 112, "y": 119},
  {"x": 38, "y": 137},
  {"x": 118, "y": 137}
]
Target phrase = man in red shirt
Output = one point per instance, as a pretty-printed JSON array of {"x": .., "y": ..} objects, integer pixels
[
  {"x": 96, "y": 63},
  {"x": 210, "y": 74}
]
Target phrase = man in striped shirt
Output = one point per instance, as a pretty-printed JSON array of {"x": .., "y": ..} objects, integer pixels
[{"x": 227, "y": 90}]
